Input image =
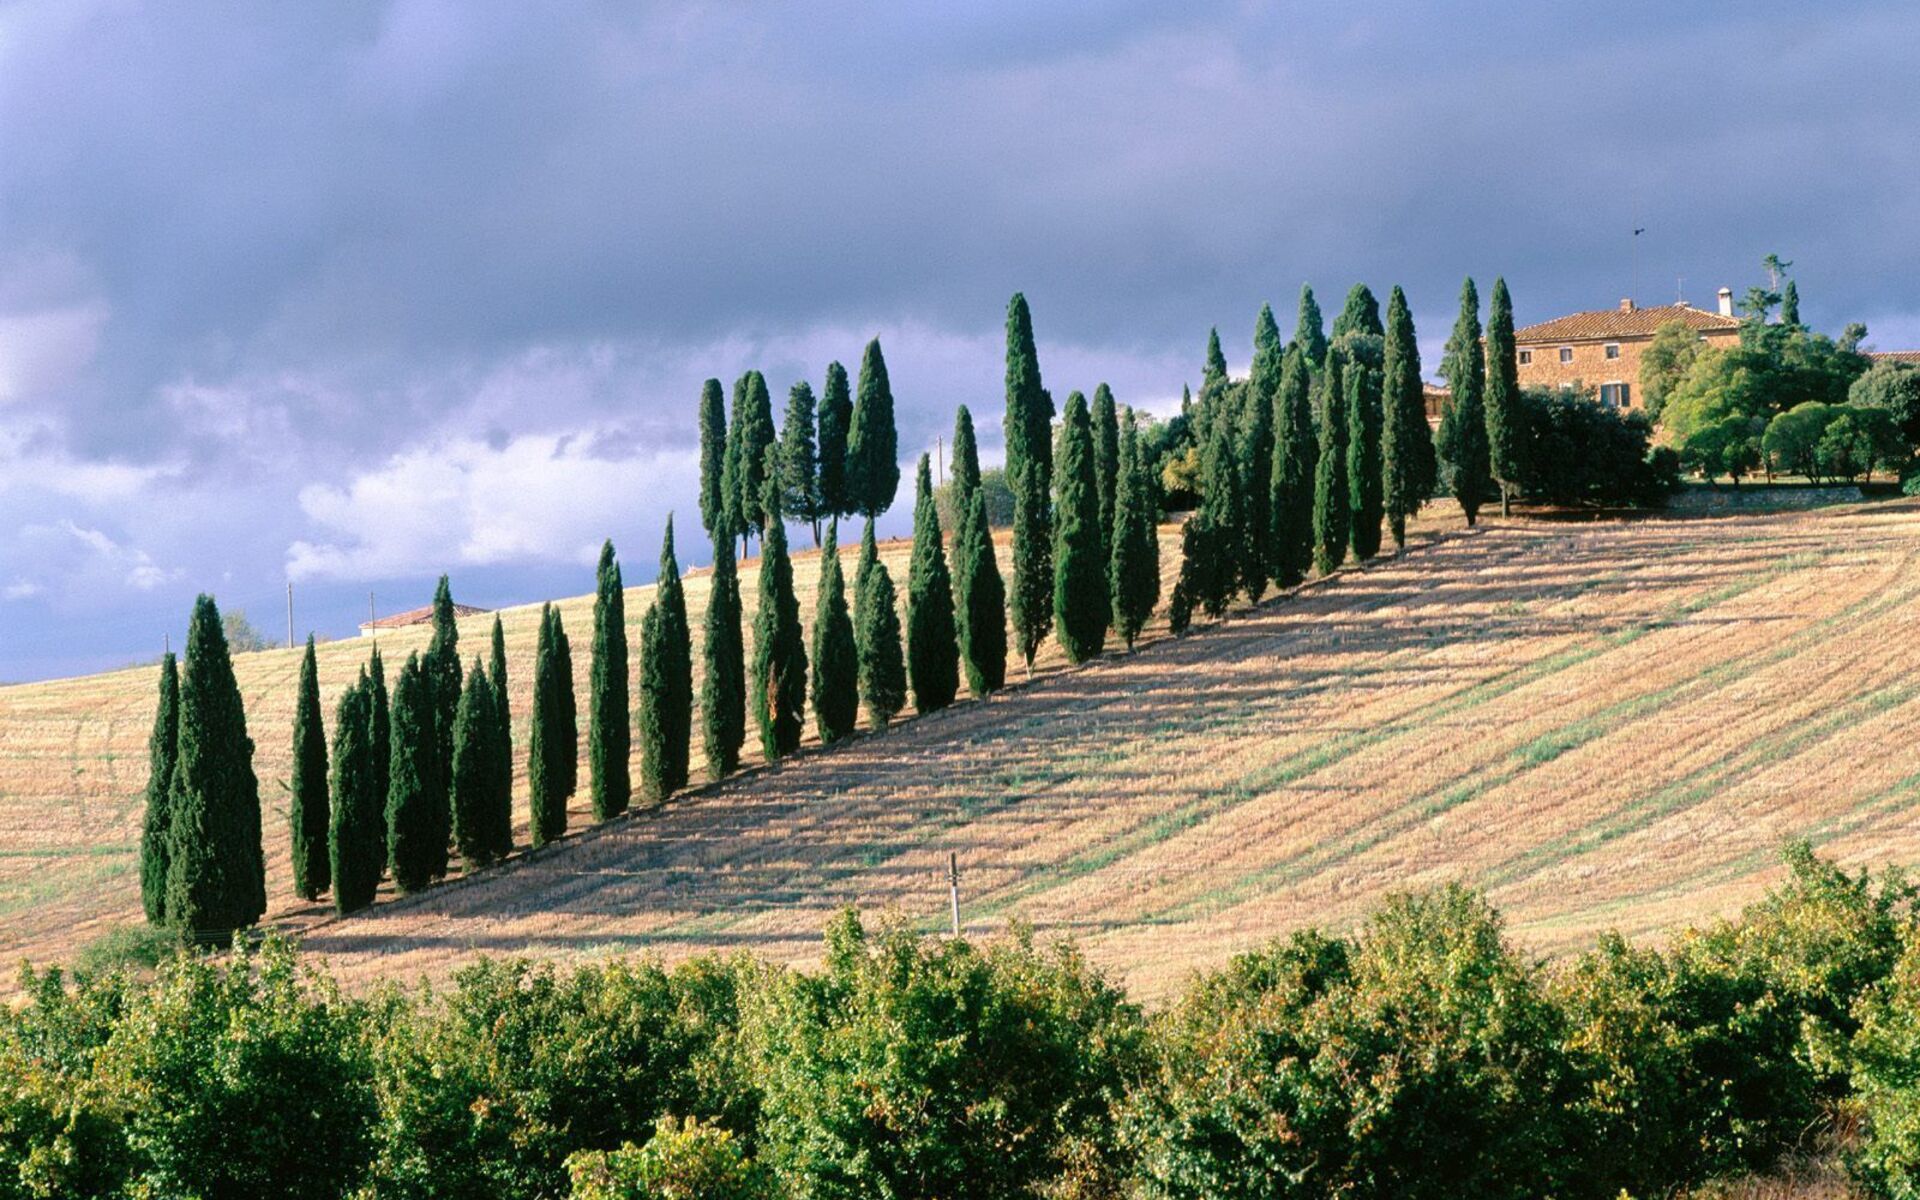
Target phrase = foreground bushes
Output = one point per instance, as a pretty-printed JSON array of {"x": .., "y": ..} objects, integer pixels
[{"x": 1420, "y": 1057}]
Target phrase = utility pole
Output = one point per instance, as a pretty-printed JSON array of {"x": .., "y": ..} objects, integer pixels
[
  {"x": 953, "y": 888},
  {"x": 289, "y": 614},
  {"x": 372, "y": 631},
  {"x": 940, "y": 459}
]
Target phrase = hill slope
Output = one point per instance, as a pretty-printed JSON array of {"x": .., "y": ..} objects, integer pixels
[{"x": 1608, "y": 725}]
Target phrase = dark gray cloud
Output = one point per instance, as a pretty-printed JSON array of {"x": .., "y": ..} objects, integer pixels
[{"x": 272, "y": 270}]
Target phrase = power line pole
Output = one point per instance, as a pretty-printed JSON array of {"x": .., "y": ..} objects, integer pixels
[
  {"x": 940, "y": 458},
  {"x": 953, "y": 888},
  {"x": 289, "y": 614}
]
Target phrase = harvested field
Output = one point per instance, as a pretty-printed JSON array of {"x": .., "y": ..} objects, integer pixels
[{"x": 1607, "y": 725}]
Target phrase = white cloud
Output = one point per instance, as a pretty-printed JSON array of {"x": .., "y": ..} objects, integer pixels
[
  {"x": 44, "y": 350},
  {"x": 20, "y": 590}
]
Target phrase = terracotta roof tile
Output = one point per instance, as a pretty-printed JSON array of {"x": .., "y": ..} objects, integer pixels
[
  {"x": 1899, "y": 356},
  {"x": 1613, "y": 323},
  {"x": 419, "y": 616}
]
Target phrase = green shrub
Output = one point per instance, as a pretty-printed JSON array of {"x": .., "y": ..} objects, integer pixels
[
  {"x": 682, "y": 1161},
  {"x": 1886, "y": 1077}
]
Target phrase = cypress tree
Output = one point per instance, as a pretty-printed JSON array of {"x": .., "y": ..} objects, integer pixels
[
  {"x": 1360, "y": 315},
  {"x": 1361, "y": 357},
  {"x": 1213, "y": 384},
  {"x": 567, "y": 745},
  {"x": 966, "y": 462},
  {"x": 1406, "y": 443},
  {"x": 876, "y": 636},
  {"x": 1029, "y": 415},
  {"x": 547, "y": 784},
  {"x": 1133, "y": 573},
  {"x": 836, "y": 422},
  {"x": 1080, "y": 603},
  {"x": 1224, "y": 530},
  {"x": 1193, "y": 552},
  {"x": 1790, "y": 305},
  {"x": 779, "y": 648},
  {"x": 163, "y": 747},
  {"x": 1295, "y": 458},
  {"x": 379, "y": 730},
  {"x": 216, "y": 872},
  {"x": 475, "y": 726},
  {"x": 799, "y": 461},
  {"x": 713, "y": 457},
  {"x": 933, "y": 648},
  {"x": 873, "y": 445},
  {"x": 497, "y": 677},
  {"x": 1106, "y": 464},
  {"x": 723, "y": 698},
  {"x": 442, "y": 672},
  {"x": 497, "y": 814},
  {"x": 666, "y": 681},
  {"x": 412, "y": 827},
  {"x": 307, "y": 811},
  {"x": 1307, "y": 332},
  {"x": 1330, "y": 496},
  {"x": 836, "y": 662},
  {"x": 1260, "y": 560},
  {"x": 609, "y": 715},
  {"x": 1463, "y": 426},
  {"x": 979, "y": 594},
  {"x": 1503, "y": 396},
  {"x": 748, "y": 438},
  {"x": 357, "y": 833}
]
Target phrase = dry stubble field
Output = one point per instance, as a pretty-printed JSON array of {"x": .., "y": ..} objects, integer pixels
[{"x": 1607, "y": 725}]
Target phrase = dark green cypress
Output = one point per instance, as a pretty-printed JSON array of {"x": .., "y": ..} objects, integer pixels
[
  {"x": 1308, "y": 333},
  {"x": 475, "y": 726},
  {"x": 1080, "y": 604},
  {"x": 1790, "y": 305},
  {"x": 836, "y": 422},
  {"x": 933, "y": 646},
  {"x": 836, "y": 662},
  {"x": 163, "y": 749},
  {"x": 497, "y": 818},
  {"x": 609, "y": 711},
  {"x": 1133, "y": 573},
  {"x": 549, "y": 748},
  {"x": 1260, "y": 560},
  {"x": 567, "y": 745},
  {"x": 873, "y": 444},
  {"x": 412, "y": 826},
  {"x": 1106, "y": 464},
  {"x": 1463, "y": 425},
  {"x": 979, "y": 593},
  {"x": 307, "y": 793},
  {"x": 1361, "y": 359},
  {"x": 966, "y": 462},
  {"x": 723, "y": 697},
  {"x": 1211, "y": 403},
  {"x": 1406, "y": 441},
  {"x": 876, "y": 635},
  {"x": 1222, "y": 504},
  {"x": 1214, "y": 376},
  {"x": 1360, "y": 315},
  {"x": 713, "y": 457},
  {"x": 497, "y": 677},
  {"x": 357, "y": 834},
  {"x": 748, "y": 438},
  {"x": 1330, "y": 498},
  {"x": 379, "y": 732},
  {"x": 1029, "y": 416},
  {"x": 666, "y": 681},
  {"x": 800, "y": 461},
  {"x": 442, "y": 671},
  {"x": 1295, "y": 458},
  {"x": 1503, "y": 410},
  {"x": 779, "y": 648},
  {"x": 216, "y": 871}
]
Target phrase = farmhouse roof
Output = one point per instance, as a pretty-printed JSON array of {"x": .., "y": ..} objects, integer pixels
[
  {"x": 1899, "y": 356},
  {"x": 419, "y": 616},
  {"x": 1624, "y": 322}
]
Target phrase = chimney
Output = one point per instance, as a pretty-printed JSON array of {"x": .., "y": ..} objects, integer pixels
[
  {"x": 1626, "y": 305},
  {"x": 1726, "y": 301}
]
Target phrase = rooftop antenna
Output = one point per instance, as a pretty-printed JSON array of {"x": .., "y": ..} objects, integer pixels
[
  {"x": 1680, "y": 289},
  {"x": 1634, "y": 289}
]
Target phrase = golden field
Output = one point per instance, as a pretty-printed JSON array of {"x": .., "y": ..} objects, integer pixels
[{"x": 1606, "y": 725}]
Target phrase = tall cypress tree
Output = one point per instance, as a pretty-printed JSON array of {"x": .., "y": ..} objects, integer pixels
[
  {"x": 216, "y": 871},
  {"x": 1256, "y": 452},
  {"x": 876, "y": 636},
  {"x": 307, "y": 811},
  {"x": 1503, "y": 410},
  {"x": 497, "y": 677},
  {"x": 414, "y": 847},
  {"x": 723, "y": 697},
  {"x": 1308, "y": 333},
  {"x": 551, "y": 750},
  {"x": 800, "y": 461},
  {"x": 1361, "y": 358},
  {"x": 441, "y": 669},
  {"x": 1330, "y": 499},
  {"x": 1133, "y": 573},
  {"x": 609, "y": 715},
  {"x": 1080, "y": 605},
  {"x": 357, "y": 831},
  {"x": 836, "y": 422},
  {"x": 1222, "y": 503},
  {"x": 933, "y": 648},
  {"x": 1406, "y": 442},
  {"x": 713, "y": 457},
  {"x": 379, "y": 714},
  {"x": 1029, "y": 434},
  {"x": 873, "y": 445},
  {"x": 475, "y": 726},
  {"x": 779, "y": 648},
  {"x": 666, "y": 681},
  {"x": 567, "y": 745},
  {"x": 748, "y": 437},
  {"x": 836, "y": 661},
  {"x": 1463, "y": 425},
  {"x": 966, "y": 462},
  {"x": 1790, "y": 305},
  {"x": 1029, "y": 416},
  {"x": 1295, "y": 458},
  {"x": 1361, "y": 314},
  {"x": 163, "y": 748},
  {"x": 1106, "y": 464},
  {"x": 979, "y": 594}
]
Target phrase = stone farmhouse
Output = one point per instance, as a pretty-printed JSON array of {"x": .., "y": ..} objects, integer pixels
[{"x": 1601, "y": 350}]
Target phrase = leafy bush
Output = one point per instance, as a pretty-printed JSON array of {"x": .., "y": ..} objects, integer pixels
[
  {"x": 1576, "y": 451},
  {"x": 1895, "y": 387},
  {"x": 682, "y": 1161},
  {"x": 1886, "y": 1077},
  {"x": 994, "y": 493}
]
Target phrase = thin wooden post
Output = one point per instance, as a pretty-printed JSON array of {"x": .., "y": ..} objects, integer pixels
[{"x": 953, "y": 888}]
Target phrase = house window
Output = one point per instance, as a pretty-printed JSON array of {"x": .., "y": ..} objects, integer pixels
[
  {"x": 1613, "y": 350},
  {"x": 1566, "y": 354},
  {"x": 1615, "y": 395},
  {"x": 1526, "y": 356}
]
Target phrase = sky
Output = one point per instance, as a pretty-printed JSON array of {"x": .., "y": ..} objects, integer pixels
[{"x": 349, "y": 295}]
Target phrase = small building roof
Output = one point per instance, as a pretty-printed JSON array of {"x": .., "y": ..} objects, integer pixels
[
  {"x": 419, "y": 616},
  {"x": 1624, "y": 322},
  {"x": 1899, "y": 356}
]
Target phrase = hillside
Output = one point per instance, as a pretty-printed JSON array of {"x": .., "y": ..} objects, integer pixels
[{"x": 1606, "y": 725}]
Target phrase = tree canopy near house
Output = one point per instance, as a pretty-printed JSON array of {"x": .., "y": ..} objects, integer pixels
[
  {"x": 1895, "y": 387},
  {"x": 1665, "y": 362},
  {"x": 1774, "y": 369}
]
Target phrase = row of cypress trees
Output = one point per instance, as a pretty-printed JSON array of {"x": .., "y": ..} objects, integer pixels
[{"x": 1480, "y": 428}]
